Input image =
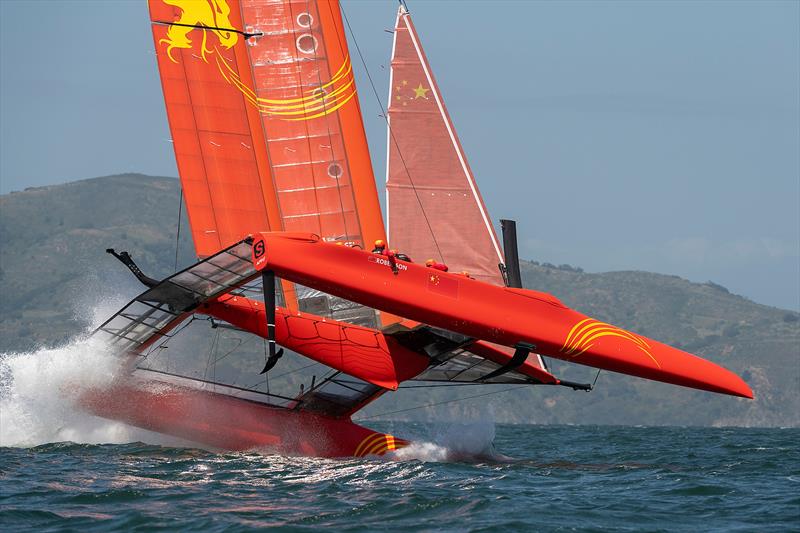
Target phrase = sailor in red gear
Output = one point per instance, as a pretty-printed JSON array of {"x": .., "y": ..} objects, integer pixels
[
  {"x": 380, "y": 247},
  {"x": 430, "y": 263},
  {"x": 401, "y": 256}
]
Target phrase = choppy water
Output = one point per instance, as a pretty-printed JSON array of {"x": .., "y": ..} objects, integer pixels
[
  {"x": 548, "y": 478},
  {"x": 474, "y": 477}
]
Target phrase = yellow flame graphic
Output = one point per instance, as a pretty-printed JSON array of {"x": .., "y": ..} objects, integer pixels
[
  {"x": 583, "y": 335},
  {"x": 210, "y": 14}
]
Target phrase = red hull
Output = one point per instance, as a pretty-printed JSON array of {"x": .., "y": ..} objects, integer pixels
[
  {"x": 224, "y": 422},
  {"x": 501, "y": 315}
]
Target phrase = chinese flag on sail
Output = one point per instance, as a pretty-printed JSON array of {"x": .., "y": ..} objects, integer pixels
[{"x": 435, "y": 208}]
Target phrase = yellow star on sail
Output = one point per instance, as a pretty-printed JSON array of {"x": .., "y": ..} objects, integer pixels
[{"x": 421, "y": 92}]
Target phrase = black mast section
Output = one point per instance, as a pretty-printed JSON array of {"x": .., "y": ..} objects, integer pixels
[{"x": 512, "y": 272}]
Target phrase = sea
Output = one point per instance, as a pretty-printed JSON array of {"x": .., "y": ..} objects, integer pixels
[{"x": 64, "y": 470}]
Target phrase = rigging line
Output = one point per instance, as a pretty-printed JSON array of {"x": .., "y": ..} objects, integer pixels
[
  {"x": 286, "y": 374},
  {"x": 442, "y": 403},
  {"x": 595, "y": 379},
  {"x": 204, "y": 27},
  {"x": 385, "y": 115},
  {"x": 178, "y": 234},
  {"x": 470, "y": 384},
  {"x": 211, "y": 351},
  {"x": 166, "y": 338},
  {"x": 229, "y": 352}
]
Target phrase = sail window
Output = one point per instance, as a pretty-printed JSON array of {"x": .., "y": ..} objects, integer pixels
[
  {"x": 307, "y": 43},
  {"x": 305, "y": 20},
  {"x": 335, "y": 170}
]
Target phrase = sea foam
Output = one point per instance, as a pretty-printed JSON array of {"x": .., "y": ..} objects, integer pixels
[{"x": 39, "y": 391}]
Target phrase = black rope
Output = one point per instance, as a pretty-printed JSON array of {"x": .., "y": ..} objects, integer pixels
[
  {"x": 204, "y": 27},
  {"x": 440, "y": 403},
  {"x": 595, "y": 378},
  {"x": 229, "y": 352},
  {"x": 212, "y": 350},
  {"x": 178, "y": 234},
  {"x": 470, "y": 384},
  {"x": 385, "y": 115},
  {"x": 284, "y": 374},
  {"x": 166, "y": 337}
]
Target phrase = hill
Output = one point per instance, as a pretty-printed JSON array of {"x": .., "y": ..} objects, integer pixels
[{"x": 55, "y": 275}]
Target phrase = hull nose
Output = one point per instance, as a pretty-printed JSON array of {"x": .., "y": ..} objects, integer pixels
[{"x": 605, "y": 346}]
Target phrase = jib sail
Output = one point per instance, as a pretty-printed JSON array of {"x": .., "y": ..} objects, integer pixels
[{"x": 434, "y": 207}]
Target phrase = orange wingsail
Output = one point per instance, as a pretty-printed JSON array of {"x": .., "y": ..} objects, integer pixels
[
  {"x": 265, "y": 120},
  {"x": 435, "y": 208}
]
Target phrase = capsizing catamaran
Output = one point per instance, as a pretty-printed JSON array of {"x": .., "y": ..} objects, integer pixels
[{"x": 278, "y": 185}]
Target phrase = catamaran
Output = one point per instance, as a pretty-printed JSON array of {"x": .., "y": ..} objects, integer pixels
[{"x": 285, "y": 218}]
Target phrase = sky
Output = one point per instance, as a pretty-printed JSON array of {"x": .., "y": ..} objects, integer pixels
[{"x": 658, "y": 136}]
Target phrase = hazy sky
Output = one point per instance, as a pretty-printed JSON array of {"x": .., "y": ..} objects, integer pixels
[{"x": 659, "y": 136}]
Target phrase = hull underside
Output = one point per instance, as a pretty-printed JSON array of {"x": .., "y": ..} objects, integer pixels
[{"x": 224, "y": 422}]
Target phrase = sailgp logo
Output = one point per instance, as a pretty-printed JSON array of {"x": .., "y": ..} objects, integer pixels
[
  {"x": 258, "y": 249},
  {"x": 259, "y": 254}
]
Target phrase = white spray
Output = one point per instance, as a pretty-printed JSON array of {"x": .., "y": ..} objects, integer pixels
[
  {"x": 39, "y": 389},
  {"x": 446, "y": 442}
]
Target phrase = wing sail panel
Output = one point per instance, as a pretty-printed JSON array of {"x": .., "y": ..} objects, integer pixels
[
  {"x": 222, "y": 174},
  {"x": 305, "y": 92},
  {"x": 265, "y": 120}
]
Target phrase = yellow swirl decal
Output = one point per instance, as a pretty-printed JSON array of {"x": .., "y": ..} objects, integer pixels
[
  {"x": 379, "y": 444},
  {"x": 586, "y": 332}
]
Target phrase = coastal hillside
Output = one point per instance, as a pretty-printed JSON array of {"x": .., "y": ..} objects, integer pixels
[{"x": 55, "y": 278}]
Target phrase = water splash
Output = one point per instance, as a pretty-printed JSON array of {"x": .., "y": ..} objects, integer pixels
[
  {"x": 452, "y": 442},
  {"x": 39, "y": 392}
]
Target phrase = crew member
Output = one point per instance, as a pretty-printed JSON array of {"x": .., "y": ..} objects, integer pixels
[
  {"x": 380, "y": 247},
  {"x": 430, "y": 263},
  {"x": 401, "y": 256}
]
